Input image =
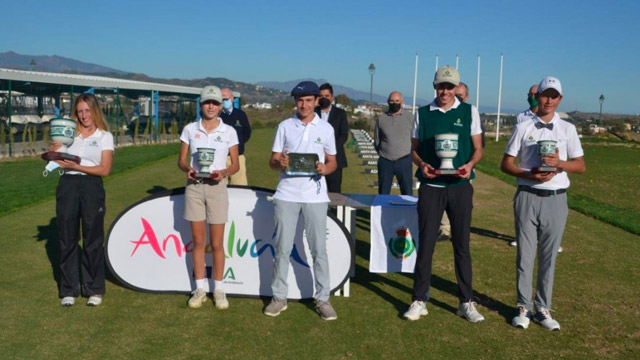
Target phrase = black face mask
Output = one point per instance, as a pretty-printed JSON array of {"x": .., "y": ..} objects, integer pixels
[
  {"x": 460, "y": 98},
  {"x": 394, "y": 107},
  {"x": 324, "y": 103}
]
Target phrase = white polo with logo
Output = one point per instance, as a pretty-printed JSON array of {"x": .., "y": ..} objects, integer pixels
[
  {"x": 524, "y": 145},
  {"x": 221, "y": 138},
  {"x": 315, "y": 137},
  {"x": 90, "y": 149}
]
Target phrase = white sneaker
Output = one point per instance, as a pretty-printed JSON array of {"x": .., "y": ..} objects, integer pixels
[
  {"x": 468, "y": 310},
  {"x": 417, "y": 309},
  {"x": 68, "y": 301},
  {"x": 523, "y": 319},
  {"x": 94, "y": 300},
  {"x": 543, "y": 317},
  {"x": 220, "y": 299},
  {"x": 513, "y": 243},
  {"x": 199, "y": 296}
]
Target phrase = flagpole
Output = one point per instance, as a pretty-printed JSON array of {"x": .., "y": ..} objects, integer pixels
[
  {"x": 478, "y": 85},
  {"x": 434, "y": 90},
  {"x": 499, "y": 99},
  {"x": 415, "y": 84}
]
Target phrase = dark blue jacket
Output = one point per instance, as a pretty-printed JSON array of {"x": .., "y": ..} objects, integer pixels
[{"x": 239, "y": 121}]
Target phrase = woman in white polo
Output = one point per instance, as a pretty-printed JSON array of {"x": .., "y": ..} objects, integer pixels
[
  {"x": 207, "y": 200},
  {"x": 80, "y": 199}
]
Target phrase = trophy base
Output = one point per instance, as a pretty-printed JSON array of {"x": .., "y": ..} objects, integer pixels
[
  {"x": 543, "y": 169},
  {"x": 203, "y": 175},
  {"x": 55, "y": 155},
  {"x": 440, "y": 172}
]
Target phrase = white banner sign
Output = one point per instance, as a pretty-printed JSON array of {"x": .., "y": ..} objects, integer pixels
[
  {"x": 149, "y": 247},
  {"x": 394, "y": 234}
]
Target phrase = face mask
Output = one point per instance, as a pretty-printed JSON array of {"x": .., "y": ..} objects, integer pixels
[
  {"x": 532, "y": 101},
  {"x": 227, "y": 104},
  {"x": 324, "y": 103},
  {"x": 394, "y": 107},
  {"x": 460, "y": 98}
]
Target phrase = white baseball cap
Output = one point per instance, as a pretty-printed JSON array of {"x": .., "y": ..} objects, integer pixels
[
  {"x": 550, "y": 82},
  {"x": 211, "y": 93},
  {"x": 447, "y": 74}
]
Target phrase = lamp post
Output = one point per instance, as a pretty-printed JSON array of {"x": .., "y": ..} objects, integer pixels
[
  {"x": 372, "y": 70},
  {"x": 601, "y": 98}
]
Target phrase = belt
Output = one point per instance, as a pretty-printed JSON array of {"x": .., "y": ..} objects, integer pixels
[{"x": 541, "y": 192}]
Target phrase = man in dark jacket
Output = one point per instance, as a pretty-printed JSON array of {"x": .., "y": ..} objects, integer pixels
[
  {"x": 237, "y": 119},
  {"x": 338, "y": 119}
]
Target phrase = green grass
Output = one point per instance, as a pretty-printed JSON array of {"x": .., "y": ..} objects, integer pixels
[
  {"x": 607, "y": 191},
  {"x": 596, "y": 286},
  {"x": 22, "y": 182}
]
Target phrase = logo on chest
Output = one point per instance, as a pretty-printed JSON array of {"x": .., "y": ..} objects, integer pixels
[
  {"x": 458, "y": 123},
  {"x": 318, "y": 140}
]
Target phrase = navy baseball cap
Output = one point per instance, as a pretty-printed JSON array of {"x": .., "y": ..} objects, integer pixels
[{"x": 305, "y": 88}]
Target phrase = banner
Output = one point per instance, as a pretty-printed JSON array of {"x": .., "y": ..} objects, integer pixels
[
  {"x": 149, "y": 247},
  {"x": 394, "y": 234}
]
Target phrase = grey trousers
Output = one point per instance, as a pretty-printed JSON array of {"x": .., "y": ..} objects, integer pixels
[
  {"x": 315, "y": 226},
  {"x": 540, "y": 223}
]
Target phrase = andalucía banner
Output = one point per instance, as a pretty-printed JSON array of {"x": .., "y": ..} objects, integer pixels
[{"x": 149, "y": 247}]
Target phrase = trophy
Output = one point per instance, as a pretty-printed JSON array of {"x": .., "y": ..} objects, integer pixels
[
  {"x": 63, "y": 131},
  {"x": 447, "y": 149},
  {"x": 301, "y": 164},
  {"x": 205, "y": 158},
  {"x": 546, "y": 147}
]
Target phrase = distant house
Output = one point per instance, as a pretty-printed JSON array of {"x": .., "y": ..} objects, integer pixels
[
  {"x": 262, "y": 106},
  {"x": 595, "y": 129}
]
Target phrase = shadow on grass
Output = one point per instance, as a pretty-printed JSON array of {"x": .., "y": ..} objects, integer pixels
[
  {"x": 49, "y": 233},
  {"x": 492, "y": 234},
  {"x": 156, "y": 189},
  {"x": 369, "y": 281}
]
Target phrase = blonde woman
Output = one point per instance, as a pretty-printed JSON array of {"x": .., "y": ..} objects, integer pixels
[
  {"x": 80, "y": 199},
  {"x": 207, "y": 200}
]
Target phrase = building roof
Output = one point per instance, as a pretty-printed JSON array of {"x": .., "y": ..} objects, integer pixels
[{"x": 54, "y": 81}]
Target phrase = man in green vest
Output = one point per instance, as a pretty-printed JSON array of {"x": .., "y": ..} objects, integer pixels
[{"x": 439, "y": 193}]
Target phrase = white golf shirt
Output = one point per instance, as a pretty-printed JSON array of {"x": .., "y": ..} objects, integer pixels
[
  {"x": 90, "y": 149},
  {"x": 524, "y": 145},
  {"x": 295, "y": 137},
  {"x": 525, "y": 116},
  {"x": 221, "y": 138}
]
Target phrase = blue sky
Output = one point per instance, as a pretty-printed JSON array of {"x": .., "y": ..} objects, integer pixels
[{"x": 593, "y": 47}]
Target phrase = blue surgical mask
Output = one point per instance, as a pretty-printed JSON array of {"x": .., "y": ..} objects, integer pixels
[{"x": 227, "y": 104}]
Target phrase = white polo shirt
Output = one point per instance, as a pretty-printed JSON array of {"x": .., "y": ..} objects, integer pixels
[
  {"x": 90, "y": 149},
  {"x": 315, "y": 137},
  {"x": 221, "y": 138},
  {"x": 525, "y": 116},
  {"x": 475, "y": 118},
  {"x": 523, "y": 144}
]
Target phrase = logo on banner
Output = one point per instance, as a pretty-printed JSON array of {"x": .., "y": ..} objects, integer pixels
[
  {"x": 402, "y": 246},
  {"x": 149, "y": 237}
]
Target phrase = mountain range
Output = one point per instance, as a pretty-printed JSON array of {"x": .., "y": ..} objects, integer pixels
[{"x": 274, "y": 92}]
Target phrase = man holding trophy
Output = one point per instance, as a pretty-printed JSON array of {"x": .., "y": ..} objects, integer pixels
[
  {"x": 548, "y": 148},
  {"x": 446, "y": 144},
  {"x": 304, "y": 152}
]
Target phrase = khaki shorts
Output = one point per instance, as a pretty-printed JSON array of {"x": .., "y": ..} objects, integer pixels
[
  {"x": 239, "y": 178},
  {"x": 206, "y": 201}
]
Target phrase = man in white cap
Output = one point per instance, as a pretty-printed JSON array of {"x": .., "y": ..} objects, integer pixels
[
  {"x": 540, "y": 204},
  {"x": 450, "y": 193}
]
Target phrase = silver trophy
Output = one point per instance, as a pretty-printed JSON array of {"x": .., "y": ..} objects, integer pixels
[{"x": 205, "y": 159}]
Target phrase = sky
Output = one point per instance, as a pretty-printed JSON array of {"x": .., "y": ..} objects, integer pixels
[{"x": 593, "y": 47}]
